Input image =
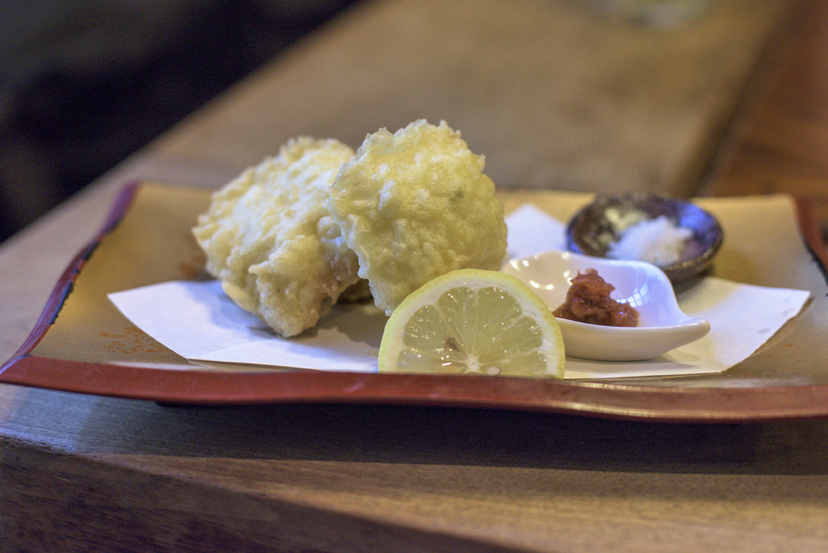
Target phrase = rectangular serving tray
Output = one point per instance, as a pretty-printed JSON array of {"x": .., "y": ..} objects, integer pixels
[{"x": 83, "y": 344}]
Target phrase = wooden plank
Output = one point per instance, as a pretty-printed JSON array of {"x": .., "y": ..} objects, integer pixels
[
  {"x": 780, "y": 144},
  {"x": 554, "y": 94},
  {"x": 98, "y": 473}
]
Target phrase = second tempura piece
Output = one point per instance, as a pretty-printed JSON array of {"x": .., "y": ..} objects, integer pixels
[
  {"x": 271, "y": 241},
  {"x": 414, "y": 205}
]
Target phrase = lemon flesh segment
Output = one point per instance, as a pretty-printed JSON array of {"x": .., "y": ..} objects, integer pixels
[{"x": 473, "y": 321}]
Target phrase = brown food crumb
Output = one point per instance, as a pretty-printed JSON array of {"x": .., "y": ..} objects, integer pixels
[{"x": 588, "y": 301}]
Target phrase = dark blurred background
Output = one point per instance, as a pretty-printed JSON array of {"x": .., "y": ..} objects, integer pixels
[{"x": 84, "y": 83}]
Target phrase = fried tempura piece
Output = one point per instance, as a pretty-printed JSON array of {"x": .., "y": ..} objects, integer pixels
[
  {"x": 271, "y": 241},
  {"x": 414, "y": 205}
]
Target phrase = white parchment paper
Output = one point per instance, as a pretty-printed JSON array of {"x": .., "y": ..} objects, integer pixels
[{"x": 199, "y": 322}]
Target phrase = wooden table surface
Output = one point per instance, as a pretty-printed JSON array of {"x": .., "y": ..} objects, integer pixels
[{"x": 88, "y": 473}]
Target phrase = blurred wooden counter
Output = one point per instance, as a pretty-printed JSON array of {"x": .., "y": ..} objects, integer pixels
[
  {"x": 87, "y": 473},
  {"x": 779, "y": 143},
  {"x": 554, "y": 93}
]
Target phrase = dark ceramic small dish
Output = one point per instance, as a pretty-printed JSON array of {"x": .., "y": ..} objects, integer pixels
[{"x": 591, "y": 231}]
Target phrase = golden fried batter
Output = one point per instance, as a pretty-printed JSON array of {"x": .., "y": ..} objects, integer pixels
[
  {"x": 414, "y": 205},
  {"x": 271, "y": 241}
]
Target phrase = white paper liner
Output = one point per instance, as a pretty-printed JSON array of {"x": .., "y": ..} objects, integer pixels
[{"x": 199, "y": 322}]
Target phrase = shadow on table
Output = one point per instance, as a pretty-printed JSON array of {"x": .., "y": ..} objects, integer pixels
[{"x": 424, "y": 435}]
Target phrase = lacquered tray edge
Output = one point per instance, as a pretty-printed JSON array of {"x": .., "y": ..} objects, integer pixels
[
  {"x": 63, "y": 287},
  {"x": 196, "y": 387},
  {"x": 811, "y": 235}
]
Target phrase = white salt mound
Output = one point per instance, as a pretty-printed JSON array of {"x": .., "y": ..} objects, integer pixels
[{"x": 658, "y": 241}]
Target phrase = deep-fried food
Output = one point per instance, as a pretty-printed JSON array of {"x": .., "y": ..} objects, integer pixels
[
  {"x": 271, "y": 241},
  {"x": 291, "y": 236},
  {"x": 414, "y": 205}
]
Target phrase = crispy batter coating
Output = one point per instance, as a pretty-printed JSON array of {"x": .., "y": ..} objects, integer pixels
[
  {"x": 271, "y": 241},
  {"x": 414, "y": 205}
]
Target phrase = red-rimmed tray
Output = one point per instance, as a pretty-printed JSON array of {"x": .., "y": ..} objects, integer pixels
[{"x": 82, "y": 343}]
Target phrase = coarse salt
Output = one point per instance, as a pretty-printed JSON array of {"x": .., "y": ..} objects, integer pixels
[{"x": 658, "y": 241}]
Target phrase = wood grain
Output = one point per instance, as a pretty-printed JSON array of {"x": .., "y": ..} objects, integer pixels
[
  {"x": 780, "y": 143},
  {"x": 554, "y": 94},
  {"x": 136, "y": 475}
]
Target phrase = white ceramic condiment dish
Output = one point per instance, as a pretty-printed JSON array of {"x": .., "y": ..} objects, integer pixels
[{"x": 662, "y": 325}]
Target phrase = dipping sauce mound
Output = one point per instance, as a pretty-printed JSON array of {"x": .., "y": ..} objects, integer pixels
[{"x": 588, "y": 301}]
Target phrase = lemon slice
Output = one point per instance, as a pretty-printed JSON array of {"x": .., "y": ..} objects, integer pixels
[{"x": 473, "y": 321}]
